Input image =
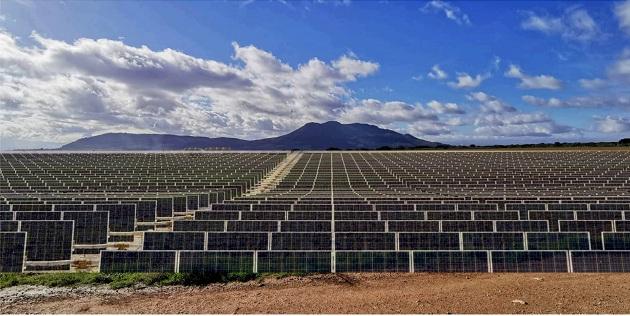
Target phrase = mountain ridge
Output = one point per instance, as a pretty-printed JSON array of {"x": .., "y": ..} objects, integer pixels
[{"x": 311, "y": 136}]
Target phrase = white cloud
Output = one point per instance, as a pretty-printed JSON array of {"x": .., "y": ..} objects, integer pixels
[
  {"x": 437, "y": 73},
  {"x": 499, "y": 119},
  {"x": 593, "y": 101},
  {"x": 353, "y": 68},
  {"x": 429, "y": 128},
  {"x": 466, "y": 81},
  {"x": 450, "y": 11},
  {"x": 376, "y": 111},
  {"x": 528, "y": 130},
  {"x": 575, "y": 24},
  {"x": 533, "y": 82},
  {"x": 57, "y": 91},
  {"x": 620, "y": 69},
  {"x": 622, "y": 12},
  {"x": 611, "y": 124},
  {"x": 592, "y": 84},
  {"x": 440, "y": 108},
  {"x": 490, "y": 104}
]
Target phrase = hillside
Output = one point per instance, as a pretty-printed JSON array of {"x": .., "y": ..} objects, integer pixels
[{"x": 313, "y": 136}]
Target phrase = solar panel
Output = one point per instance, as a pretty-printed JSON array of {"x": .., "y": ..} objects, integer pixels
[
  {"x": 450, "y": 261},
  {"x": 9, "y": 226},
  {"x": 48, "y": 240},
  {"x": 164, "y": 207},
  {"x": 496, "y": 215},
  {"x": 411, "y": 216},
  {"x": 622, "y": 226},
  {"x": 201, "y": 262},
  {"x": 73, "y": 207},
  {"x": 198, "y": 226},
  {"x": 522, "y": 226},
  {"x": 467, "y": 226},
  {"x": 237, "y": 241},
  {"x": 6, "y": 216},
  {"x": 37, "y": 216},
  {"x": 429, "y": 241},
  {"x": 616, "y": 241},
  {"x": 372, "y": 261},
  {"x": 305, "y": 226},
  {"x": 450, "y": 216},
  {"x": 174, "y": 241},
  {"x": 301, "y": 241},
  {"x": 413, "y": 226},
  {"x": 122, "y": 217},
  {"x": 595, "y": 228},
  {"x": 493, "y": 241},
  {"x": 137, "y": 261},
  {"x": 356, "y": 216},
  {"x": 309, "y": 216},
  {"x": 12, "y": 247},
  {"x": 558, "y": 241},
  {"x": 600, "y": 261},
  {"x": 294, "y": 261},
  {"x": 378, "y": 203},
  {"x": 365, "y": 241},
  {"x": 359, "y": 226},
  {"x": 216, "y": 215},
  {"x": 552, "y": 217},
  {"x": 90, "y": 228},
  {"x": 252, "y": 226},
  {"x": 529, "y": 261}
]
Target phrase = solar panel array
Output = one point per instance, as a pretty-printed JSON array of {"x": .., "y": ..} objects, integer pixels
[{"x": 547, "y": 211}]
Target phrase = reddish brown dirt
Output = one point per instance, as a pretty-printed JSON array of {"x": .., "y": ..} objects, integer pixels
[{"x": 367, "y": 293}]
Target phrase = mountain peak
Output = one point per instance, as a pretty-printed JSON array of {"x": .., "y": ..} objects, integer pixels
[{"x": 311, "y": 136}]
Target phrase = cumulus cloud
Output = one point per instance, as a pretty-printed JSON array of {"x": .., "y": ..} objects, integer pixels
[
  {"x": 527, "y": 130},
  {"x": 593, "y": 101},
  {"x": 441, "y": 108},
  {"x": 430, "y": 128},
  {"x": 499, "y": 119},
  {"x": 622, "y": 12},
  {"x": 620, "y": 69},
  {"x": 56, "y": 91},
  {"x": 450, "y": 11},
  {"x": 533, "y": 82},
  {"x": 59, "y": 91},
  {"x": 489, "y": 103},
  {"x": 466, "y": 81},
  {"x": 376, "y": 111},
  {"x": 434, "y": 118},
  {"x": 612, "y": 124},
  {"x": 437, "y": 73},
  {"x": 592, "y": 84},
  {"x": 575, "y": 24}
]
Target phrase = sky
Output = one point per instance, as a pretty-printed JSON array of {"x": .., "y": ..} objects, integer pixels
[{"x": 466, "y": 72}]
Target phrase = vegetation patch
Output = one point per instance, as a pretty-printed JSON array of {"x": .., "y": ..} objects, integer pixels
[{"x": 122, "y": 280}]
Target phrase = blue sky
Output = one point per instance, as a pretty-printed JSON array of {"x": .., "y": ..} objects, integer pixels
[{"x": 457, "y": 72}]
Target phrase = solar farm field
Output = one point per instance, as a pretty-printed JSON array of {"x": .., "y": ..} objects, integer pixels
[{"x": 307, "y": 212}]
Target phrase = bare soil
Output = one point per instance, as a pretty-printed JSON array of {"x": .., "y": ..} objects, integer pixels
[{"x": 347, "y": 293}]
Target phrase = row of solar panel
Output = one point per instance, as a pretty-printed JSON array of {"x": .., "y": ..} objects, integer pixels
[
  {"x": 124, "y": 221},
  {"x": 412, "y": 215},
  {"x": 148, "y": 210},
  {"x": 364, "y": 261},
  {"x": 352, "y": 205},
  {"x": 386, "y": 241}
]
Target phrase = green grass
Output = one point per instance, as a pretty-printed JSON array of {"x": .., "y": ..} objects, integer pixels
[{"x": 120, "y": 280}]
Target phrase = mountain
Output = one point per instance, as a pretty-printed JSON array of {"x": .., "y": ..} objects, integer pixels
[{"x": 313, "y": 136}]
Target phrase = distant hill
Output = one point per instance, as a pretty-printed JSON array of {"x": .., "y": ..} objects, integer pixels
[{"x": 313, "y": 136}]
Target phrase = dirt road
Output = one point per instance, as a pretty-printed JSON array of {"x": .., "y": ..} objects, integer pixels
[{"x": 351, "y": 293}]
